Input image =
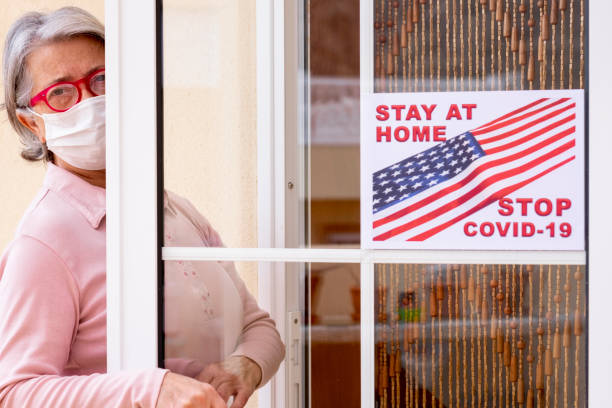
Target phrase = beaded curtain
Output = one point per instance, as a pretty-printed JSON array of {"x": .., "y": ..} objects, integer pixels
[
  {"x": 479, "y": 45},
  {"x": 480, "y": 336}
]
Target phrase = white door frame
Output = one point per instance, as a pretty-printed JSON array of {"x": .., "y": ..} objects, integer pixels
[
  {"x": 600, "y": 220},
  {"x": 131, "y": 193},
  {"x": 271, "y": 166}
]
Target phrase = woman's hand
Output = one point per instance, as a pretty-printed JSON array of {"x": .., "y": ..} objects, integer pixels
[
  {"x": 178, "y": 391},
  {"x": 238, "y": 376}
]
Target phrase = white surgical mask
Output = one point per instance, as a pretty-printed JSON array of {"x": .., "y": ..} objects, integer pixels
[{"x": 78, "y": 136}]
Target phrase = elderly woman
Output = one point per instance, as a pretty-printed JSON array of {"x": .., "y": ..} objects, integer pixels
[{"x": 52, "y": 275}]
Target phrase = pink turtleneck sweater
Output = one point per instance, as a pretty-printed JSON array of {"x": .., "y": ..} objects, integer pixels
[{"x": 53, "y": 305}]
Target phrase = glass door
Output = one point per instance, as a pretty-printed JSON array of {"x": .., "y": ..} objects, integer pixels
[
  {"x": 492, "y": 330},
  {"x": 407, "y": 327}
]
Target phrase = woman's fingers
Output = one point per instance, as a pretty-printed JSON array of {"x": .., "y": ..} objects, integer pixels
[
  {"x": 178, "y": 391},
  {"x": 236, "y": 376},
  {"x": 207, "y": 374},
  {"x": 216, "y": 376},
  {"x": 241, "y": 398},
  {"x": 210, "y": 398},
  {"x": 221, "y": 377},
  {"x": 226, "y": 390}
]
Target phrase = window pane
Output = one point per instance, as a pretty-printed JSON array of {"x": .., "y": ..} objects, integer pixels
[
  {"x": 210, "y": 140},
  {"x": 335, "y": 335},
  {"x": 208, "y": 312},
  {"x": 480, "y": 335},
  {"x": 333, "y": 49}
]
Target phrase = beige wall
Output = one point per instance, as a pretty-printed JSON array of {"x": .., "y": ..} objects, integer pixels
[
  {"x": 20, "y": 179},
  {"x": 210, "y": 119}
]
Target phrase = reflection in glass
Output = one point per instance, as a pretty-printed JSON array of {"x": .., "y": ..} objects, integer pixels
[
  {"x": 480, "y": 335},
  {"x": 210, "y": 112},
  {"x": 203, "y": 317},
  {"x": 332, "y": 47},
  {"x": 335, "y": 335},
  {"x": 209, "y": 306}
]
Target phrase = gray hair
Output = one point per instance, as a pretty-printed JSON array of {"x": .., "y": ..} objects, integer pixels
[{"x": 27, "y": 33}]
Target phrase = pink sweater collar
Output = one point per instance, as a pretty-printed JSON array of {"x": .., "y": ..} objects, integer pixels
[{"x": 86, "y": 198}]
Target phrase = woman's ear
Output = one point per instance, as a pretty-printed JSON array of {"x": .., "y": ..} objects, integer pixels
[{"x": 33, "y": 123}]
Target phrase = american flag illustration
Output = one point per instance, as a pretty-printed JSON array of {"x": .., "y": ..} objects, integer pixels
[{"x": 424, "y": 194}]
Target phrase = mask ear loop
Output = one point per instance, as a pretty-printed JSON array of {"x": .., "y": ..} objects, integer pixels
[
  {"x": 34, "y": 113},
  {"x": 47, "y": 154}
]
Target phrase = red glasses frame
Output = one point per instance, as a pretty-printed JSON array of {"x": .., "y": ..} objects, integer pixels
[{"x": 42, "y": 95}]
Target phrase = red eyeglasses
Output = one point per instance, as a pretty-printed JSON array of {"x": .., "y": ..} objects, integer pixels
[{"x": 64, "y": 95}]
